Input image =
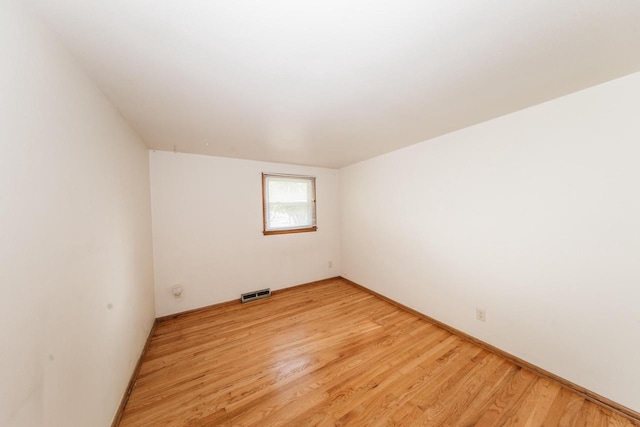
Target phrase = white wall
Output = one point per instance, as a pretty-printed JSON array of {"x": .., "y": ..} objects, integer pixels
[
  {"x": 534, "y": 217},
  {"x": 207, "y": 231},
  {"x": 76, "y": 271}
]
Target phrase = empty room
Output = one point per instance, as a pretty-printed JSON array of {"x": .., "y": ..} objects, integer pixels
[{"x": 290, "y": 213}]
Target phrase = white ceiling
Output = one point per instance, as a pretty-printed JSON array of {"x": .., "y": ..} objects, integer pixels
[{"x": 333, "y": 82}]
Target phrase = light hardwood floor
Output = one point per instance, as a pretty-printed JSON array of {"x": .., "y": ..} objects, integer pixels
[{"x": 332, "y": 354}]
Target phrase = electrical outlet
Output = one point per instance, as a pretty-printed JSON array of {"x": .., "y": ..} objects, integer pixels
[
  {"x": 481, "y": 315},
  {"x": 330, "y": 264},
  {"x": 176, "y": 291}
]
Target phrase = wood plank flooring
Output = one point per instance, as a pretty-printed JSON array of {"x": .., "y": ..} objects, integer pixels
[{"x": 330, "y": 354}]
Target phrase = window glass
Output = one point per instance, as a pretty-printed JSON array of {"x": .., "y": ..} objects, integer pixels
[{"x": 289, "y": 203}]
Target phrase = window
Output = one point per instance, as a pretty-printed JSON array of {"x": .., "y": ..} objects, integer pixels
[{"x": 289, "y": 203}]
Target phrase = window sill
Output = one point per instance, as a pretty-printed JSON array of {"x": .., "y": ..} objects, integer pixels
[{"x": 291, "y": 231}]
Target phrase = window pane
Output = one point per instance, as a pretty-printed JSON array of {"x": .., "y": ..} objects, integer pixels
[
  {"x": 288, "y": 190},
  {"x": 289, "y": 215},
  {"x": 289, "y": 202}
]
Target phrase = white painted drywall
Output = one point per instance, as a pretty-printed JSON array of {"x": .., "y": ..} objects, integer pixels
[
  {"x": 207, "y": 231},
  {"x": 335, "y": 82},
  {"x": 534, "y": 217},
  {"x": 76, "y": 271}
]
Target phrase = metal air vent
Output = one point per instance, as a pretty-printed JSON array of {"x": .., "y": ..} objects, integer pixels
[{"x": 250, "y": 296}]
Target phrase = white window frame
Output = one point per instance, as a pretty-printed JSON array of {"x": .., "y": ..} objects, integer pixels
[{"x": 269, "y": 230}]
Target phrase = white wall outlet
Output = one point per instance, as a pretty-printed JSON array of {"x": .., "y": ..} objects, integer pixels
[
  {"x": 330, "y": 264},
  {"x": 481, "y": 315},
  {"x": 176, "y": 291}
]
